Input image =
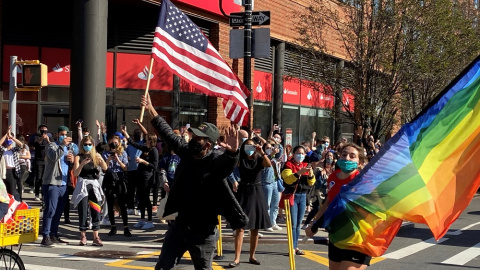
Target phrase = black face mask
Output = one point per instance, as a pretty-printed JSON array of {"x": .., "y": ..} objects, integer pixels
[
  {"x": 194, "y": 147},
  {"x": 113, "y": 145}
]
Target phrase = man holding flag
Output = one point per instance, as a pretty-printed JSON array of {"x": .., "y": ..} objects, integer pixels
[{"x": 200, "y": 192}]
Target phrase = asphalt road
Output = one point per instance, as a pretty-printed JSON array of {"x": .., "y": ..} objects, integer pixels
[{"x": 412, "y": 248}]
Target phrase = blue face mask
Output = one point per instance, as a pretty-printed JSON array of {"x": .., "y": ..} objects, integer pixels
[
  {"x": 87, "y": 147},
  {"x": 299, "y": 158},
  {"x": 61, "y": 138},
  {"x": 326, "y": 144},
  {"x": 8, "y": 142},
  {"x": 347, "y": 166},
  {"x": 249, "y": 149}
]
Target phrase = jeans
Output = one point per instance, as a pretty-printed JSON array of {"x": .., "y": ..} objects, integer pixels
[
  {"x": 55, "y": 198},
  {"x": 179, "y": 239},
  {"x": 298, "y": 211},
  {"x": 272, "y": 198}
]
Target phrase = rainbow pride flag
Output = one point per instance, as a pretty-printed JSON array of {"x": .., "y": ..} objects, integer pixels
[
  {"x": 427, "y": 173},
  {"x": 95, "y": 206}
]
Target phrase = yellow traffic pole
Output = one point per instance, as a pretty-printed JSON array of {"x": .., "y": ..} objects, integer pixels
[
  {"x": 291, "y": 253},
  {"x": 219, "y": 255}
]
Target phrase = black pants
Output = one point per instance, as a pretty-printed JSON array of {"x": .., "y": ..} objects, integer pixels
[
  {"x": 155, "y": 188},
  {"x": 179, "y": 239},
  {"x": 116, "y": 189},
  {"x": 132, "y": 179},
  {"x": 83, "y": 208},
  {"x": 39, "y": 168},
  {"x": 13, "y": 184},
  {"x": 66, "y": 210},
  {"x": 144, "y": 185}
]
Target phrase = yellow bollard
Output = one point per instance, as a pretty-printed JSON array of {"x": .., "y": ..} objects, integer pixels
[
  {"x": 288, "y": 218},
  {"x": 219, "y": 255}
]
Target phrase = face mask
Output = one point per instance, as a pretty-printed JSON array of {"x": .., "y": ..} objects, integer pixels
[
  {"x": 8, "y": 142},
  {"x": 268, "y": 152},
  {"x": 86, "y": 134},
  {"x": 249, "y": 149},
  {"x": 326, "y": 144},
  {"x": 194, "y": 147},
  {"x": 347, "y": 166},
  {"x": 87, "y": 147},
  {"x": 328, "y": 161},
  {"x": 244, "y": 139},
  {"x": 61, "y": 138},
  {"x": 299, "y": 158},
  {"x": 113, "y": 145}
]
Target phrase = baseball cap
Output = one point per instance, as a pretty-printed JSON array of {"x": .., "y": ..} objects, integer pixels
[
  {"x": 119, "y": 134},
  {"x": 206, "y": 130}
]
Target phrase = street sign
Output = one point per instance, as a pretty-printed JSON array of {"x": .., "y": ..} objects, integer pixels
[
  {"x": 258, "y": 18},
  {"x": 260, "y": 43}
]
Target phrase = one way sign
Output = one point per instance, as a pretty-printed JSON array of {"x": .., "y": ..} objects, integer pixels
[{"x": 258, "y": 18}]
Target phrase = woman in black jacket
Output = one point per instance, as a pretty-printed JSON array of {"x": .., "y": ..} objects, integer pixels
[{"x": 147, "y": 164}]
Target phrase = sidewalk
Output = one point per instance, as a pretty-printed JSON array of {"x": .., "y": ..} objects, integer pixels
[{"x": 156, "y": 235}]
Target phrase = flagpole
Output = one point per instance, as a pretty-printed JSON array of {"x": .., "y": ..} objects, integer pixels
[{"x": 146, "y": 89}]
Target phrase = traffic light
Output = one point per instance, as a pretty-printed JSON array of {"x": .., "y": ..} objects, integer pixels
[{"x": 34, "y": 75}]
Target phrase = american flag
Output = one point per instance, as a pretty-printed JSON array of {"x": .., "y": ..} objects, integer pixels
[{"x": 182, "y": 47}]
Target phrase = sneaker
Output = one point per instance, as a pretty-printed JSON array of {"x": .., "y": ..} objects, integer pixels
[
  {"x": 105, "y": 222},
  {"x": 30, "y": 192},
  {"x": 57, "y": 240},
  {"x": 127, "y": 232},
  {"x": 305, "y": 226},
  {"x": 113, "y": 231},
  {"x": 139, "y": 224},
  {"x": 130, "y": 211},
  {"x": 97, "y": 242},
  {"x": 269, "y": 229},
  {"x": 46, "y": 242},
  {"x": 83, "y": 240},
  {"x": 37, "y": 198},
  {"x": 276, "y": 227},
  {"x": 137, "y": 212},
  {"x": 260, "y": 235},
  {"x": 148, "y": 225}
]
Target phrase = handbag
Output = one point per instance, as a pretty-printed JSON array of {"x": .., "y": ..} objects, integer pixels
[
  {"x": 287, "y": 196},
  {"x": 161, "y": 210}
]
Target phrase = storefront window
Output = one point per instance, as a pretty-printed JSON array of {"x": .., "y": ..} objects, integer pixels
[
  {"x": 313, "y": 119},
  {"x": 290, "y": 121},
  {"x": 262, "y": 115},
  {"x": 26, "y": 119},
  {"x": 55, "y": 94}
]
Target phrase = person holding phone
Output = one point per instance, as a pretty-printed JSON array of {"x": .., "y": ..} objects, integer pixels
[
  {"x": 54, "y": 184},
  {"x": 298, "y": 178}
]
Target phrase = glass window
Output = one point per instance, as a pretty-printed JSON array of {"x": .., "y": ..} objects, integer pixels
[
  {"x": 26, "y": 119},
  {"x": 55, "y": 94},
  {"x": 290, "y": 120},
  {"x": 262, "y": 115}
]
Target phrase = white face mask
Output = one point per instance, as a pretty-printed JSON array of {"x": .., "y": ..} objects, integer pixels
[{"x": 268, "y": 152}]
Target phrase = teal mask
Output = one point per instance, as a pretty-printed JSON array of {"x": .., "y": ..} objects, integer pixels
[
  {"x": 347, "y": 166},
  {"x": 60, "y": 138},
  {"x": 87, "y": 147}
]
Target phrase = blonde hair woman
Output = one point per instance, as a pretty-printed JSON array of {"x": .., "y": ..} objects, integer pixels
[{"x": 88, "y": 192}]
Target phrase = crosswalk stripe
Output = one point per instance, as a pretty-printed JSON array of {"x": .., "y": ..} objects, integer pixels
[
  {"x": 458, "y": 232},
  {"x": 43, "y": 267},
  {"x": 407, "y": 251},
  {"x": 64, "y": 256},
  {"x": 464, "y": 256},
  {"x": 76, "y": 247}
]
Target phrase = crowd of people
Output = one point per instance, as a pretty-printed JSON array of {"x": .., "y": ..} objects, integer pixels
[{"x": 234, "y": 172}]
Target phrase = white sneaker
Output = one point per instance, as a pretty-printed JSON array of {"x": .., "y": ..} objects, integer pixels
[
  {"x": 276, "y": 227},
  {"x": 269, "y": 229},
  {"x": 37, "y": 198},
  {"x": 139, "y": 224},
  {"x": 305, "y": 226},
  {"x": 260, "y": 235},
  {"x": 105, "y": 222},
  {"x": 30, "y": 191},
  {"x": 137, "y": 212},
  {"x": 130, "y": 211},
  {"x": 148, "y": 225}
]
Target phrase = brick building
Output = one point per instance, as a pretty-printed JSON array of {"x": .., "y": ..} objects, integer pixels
[{"x": 98, "y": 56}]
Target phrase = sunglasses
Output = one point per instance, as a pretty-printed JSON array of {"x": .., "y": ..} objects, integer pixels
[{"x": 88, "y": 144}]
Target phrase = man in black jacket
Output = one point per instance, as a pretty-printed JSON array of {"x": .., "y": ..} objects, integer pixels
[{"x": 199, "y": 193}]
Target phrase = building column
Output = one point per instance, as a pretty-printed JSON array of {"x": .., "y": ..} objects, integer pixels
[
  {"x": 279, "y": 70},
  {"x": 88, "y": 63}
]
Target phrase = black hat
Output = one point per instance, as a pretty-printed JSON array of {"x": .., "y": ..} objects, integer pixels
[{"x": 206, "y": 130}]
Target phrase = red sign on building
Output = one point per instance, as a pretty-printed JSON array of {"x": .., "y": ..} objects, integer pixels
[
  {"x": 22, "y": 53},
  {"x": 212, "y": 6},
  {"x": 262, "y": 85},
  {"x": 58, "y": 63},
  {"x": 132, "y": 72}
]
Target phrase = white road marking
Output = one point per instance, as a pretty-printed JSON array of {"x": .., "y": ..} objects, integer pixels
[
  {"x": 407, "y": 251},
  {"x": 464, "y": 256}
]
